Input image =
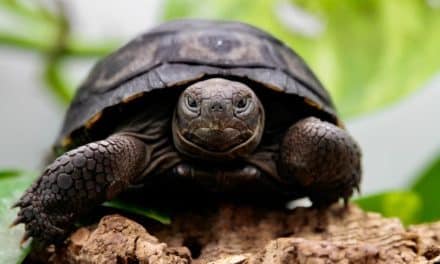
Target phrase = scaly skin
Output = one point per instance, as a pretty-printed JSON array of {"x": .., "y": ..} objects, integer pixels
[
  {"x": 323, "y": 159},
  {"x": 77, "y": 181}
]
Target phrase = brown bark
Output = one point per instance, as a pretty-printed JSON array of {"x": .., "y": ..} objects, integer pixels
[{"x": 238, "y": 235}]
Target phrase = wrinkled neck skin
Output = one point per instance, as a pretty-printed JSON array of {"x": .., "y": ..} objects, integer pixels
[{"x": 217, "y": 119}]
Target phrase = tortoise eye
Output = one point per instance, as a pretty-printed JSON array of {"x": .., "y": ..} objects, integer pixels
[
  {"x": 242, "y": 103},
  {"x": 191, "y": 102}
]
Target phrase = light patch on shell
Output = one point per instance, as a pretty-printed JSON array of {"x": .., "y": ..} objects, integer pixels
[
  {"x": 340, "y": 124},
  {"x": 93, "y": 120},
  {"x": 312, "y": 103},
  {"x": 67, "y": 141},
  {"x": 132, "y": 97},
  {"x": 274, "y": 87},
  {"x": 270, "y": 86}
]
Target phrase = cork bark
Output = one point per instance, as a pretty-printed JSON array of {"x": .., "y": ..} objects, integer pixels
[{"x": 238, "y": 235}]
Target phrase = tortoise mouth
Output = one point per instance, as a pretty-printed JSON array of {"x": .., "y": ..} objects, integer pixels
[
  {"x": 238, "y": 145},
  {"x": 217, "y": 139}
]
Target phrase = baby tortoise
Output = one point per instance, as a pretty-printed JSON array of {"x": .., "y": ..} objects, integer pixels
[{"x": 221, "y": 105}]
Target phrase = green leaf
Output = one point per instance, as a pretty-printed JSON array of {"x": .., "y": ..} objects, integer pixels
[
  {"x": 28, "y": 27},
  {"x": 78, "y": 47},
  {"x": 405, "y": 205},
  {"x": 132, "y": 208},
  {"x": 28, "y": 9},
  {"x": 11, "y": 189},
  {"x": 427, "y": 186},
  {"x": 370, "y": 54},
  {"x": 9, "y": 173},
  {"x": 25, "y": 250},
  {"x": 15, "y": 182},
  {"x": 31, "y": 26},
  {"x": 56, "y": 81}
]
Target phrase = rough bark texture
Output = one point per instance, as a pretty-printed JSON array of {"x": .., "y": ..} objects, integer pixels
[{"x": 238, "y": 235}]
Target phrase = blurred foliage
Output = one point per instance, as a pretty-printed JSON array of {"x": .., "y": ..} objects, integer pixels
[
  {"x": 418, "y": 204},
  {"x": 427, "y": 186},
  {"x": 405, "y": 205},
  {"x": 13, "y": 183},
  {"x": 370, "y": 54},
  {"x": 4, "y": 174},
  {"x": 45, "y": 30}
]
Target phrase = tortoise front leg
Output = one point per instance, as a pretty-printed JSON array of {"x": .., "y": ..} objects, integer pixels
[
  {"x": 323, "y": 159},
  {"x": 76, "y": 182}
]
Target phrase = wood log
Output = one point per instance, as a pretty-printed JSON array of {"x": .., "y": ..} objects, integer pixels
[{"x": 234, "y": 234}]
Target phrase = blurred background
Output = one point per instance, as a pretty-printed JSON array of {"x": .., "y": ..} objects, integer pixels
[{"x": 380, "y": 60}]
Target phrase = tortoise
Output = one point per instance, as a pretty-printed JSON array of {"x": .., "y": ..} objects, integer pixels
[{"x": 222, "y": 106}]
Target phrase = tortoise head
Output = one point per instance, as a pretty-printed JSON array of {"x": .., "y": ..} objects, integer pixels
[{"x": 218, "y": 118}]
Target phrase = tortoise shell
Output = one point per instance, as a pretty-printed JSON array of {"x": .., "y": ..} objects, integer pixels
[{"x": 177, "y": 53}]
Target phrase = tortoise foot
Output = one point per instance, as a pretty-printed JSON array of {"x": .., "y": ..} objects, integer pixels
[
  {"x": 323, "y": 159},
  {"x": 76, "y": 182}
]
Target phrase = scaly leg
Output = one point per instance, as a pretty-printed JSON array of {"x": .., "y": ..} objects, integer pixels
[
  {"x": 323, "y": 159},
  {"x": 76, "y": 182}
]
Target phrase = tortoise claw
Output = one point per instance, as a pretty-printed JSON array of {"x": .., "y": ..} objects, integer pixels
[
  {"x": 16, "y": 204},
  {"x": 24, "y": 201},
  {"x": 25, "y": 238},
  {"x": 18, "y": 220}
]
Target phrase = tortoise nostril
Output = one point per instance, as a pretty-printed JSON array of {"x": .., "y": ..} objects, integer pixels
[{"x": 217, "y": 107}]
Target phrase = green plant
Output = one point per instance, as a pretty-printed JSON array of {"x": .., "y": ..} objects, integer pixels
[
  {"x": 12, "y": 183},
  {"x": 35, "y": 28},
  {"x": 370, "y": 54}
]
